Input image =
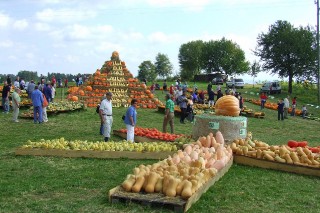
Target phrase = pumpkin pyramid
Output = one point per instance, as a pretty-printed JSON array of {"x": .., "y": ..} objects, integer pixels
[{"x": 116, "y": 78}]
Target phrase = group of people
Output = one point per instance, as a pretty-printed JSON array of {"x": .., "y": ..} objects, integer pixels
[
  {"x": 283, "y": 106},
  {"x": 41, "y": 95},
  {"x": 106, "y": 117}
]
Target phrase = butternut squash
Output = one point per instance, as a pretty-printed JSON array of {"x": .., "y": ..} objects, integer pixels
[
  {"x": 187, "y": 190},
  {"x": 268, "y": 157},
  {"x": 288, "y": 158},
  {"x": 152, "y": 180},
  {"x": 128, "y": 183},
  {"x": 138, "y": 184},
  {"x": 159, "y": 185},
  {"x": 172, "y": 187}
]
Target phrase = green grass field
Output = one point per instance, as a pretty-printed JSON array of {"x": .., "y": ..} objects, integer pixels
[{"x": 54, "y": 184}]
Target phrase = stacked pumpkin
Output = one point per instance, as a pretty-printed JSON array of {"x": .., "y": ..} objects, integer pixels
[{"x": 113, "y": 77}]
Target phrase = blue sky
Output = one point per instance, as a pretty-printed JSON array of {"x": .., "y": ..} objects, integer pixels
[{"x": 77, "y": 36}]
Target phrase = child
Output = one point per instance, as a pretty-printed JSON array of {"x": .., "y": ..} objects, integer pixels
[{"x": 304, "y": 111}]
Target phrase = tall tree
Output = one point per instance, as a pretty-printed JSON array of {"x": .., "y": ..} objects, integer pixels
[
  {"x": 287, "y": 51},
  {"x": 28, "y": 75},
  {"x": 190, "y": 59},
  {"x": 255, "y": 69},
  {"x": 147, "y": 71},
  {"x": 224, "y": 56},
  {"x": 163, "y": 66}
]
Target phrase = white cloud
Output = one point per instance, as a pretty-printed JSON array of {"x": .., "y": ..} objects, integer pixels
[
  {"x": 30, "y": 56},
  {"x": 20, "y": 24},
  {"x": 79, "y": 32},
  {"x": 160, "y": 37},
  {"x": 42, "y": 27},
  {"x": 4, "y": 20},
  {"x": 108, "y": 48},
  {"x": 72, "y": 59},
  {"x": 6, "y": 43},
  {"x": 186, "y": 4},
  {"x": 64, "y": 15}
]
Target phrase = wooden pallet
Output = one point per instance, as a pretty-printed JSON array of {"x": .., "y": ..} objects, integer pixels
[
  {"x": 259, "y": 116},
  {"x": 244, "y": 160},
  {"x": 177, "y": 204},
  {"x": 93, "y": 153}
]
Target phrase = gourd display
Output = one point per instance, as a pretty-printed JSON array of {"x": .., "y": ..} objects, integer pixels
[
  {"x": 297, "y": 153},
  {"x": 183, "y": 173},
  {"x": 227, "y": 105}
]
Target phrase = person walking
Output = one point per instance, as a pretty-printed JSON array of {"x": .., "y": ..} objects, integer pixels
[
  {"x": 106, "y": 115},
  {"x": 168, "y": 114},
  {"x": 280, "y": 109},
  {"x": 5, "y": 97},
  {"x": 131, "y": 120},
  {"x": 16, "y": 104},
  {"x": 263, "y": 99},
  {"x": 286, "y": 107},
  {"x": 53, "y": 92},
  {"x": 182, "y": 101},
  {"x": 37, "y": 102},
  {"x": 294, "y": 105},
  {"x": 47, "y": 91}
]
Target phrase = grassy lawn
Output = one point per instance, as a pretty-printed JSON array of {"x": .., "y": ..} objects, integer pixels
[{"x": 53, "y": 184}]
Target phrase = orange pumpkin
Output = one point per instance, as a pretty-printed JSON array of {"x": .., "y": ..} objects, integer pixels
[
  {"x": 227, "y": 105},
  {"x": 89, "y": 88},
  {"x": 98, "y": 73},
  {"x": 74, "y": 98},
  {"x": 81, "y": 92}
]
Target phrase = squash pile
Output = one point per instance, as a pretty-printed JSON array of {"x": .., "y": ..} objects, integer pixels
[
  {"x": 298, "y": 155},
  {"x": 113, "y": 77},
  {"x": 63, "y": 144},
  {"x": 183, "y": 173}
]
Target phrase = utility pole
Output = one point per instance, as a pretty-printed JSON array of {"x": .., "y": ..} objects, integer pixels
[{"x": 318, "y": 51}]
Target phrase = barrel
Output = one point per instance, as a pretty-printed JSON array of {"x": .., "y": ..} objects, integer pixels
[{"x": 230, "y": 127}]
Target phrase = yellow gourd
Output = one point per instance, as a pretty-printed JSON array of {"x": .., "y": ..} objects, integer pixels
[{"x": 159, "y": 185}]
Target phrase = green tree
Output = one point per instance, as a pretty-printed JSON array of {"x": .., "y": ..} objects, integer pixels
[
  {"x": 255, "y": 69},
  {"x": 28, "y": 75},
  {"x": 147, "y": 71},
  {"x": 163, "y": 66},
  {"x": 288, "y": 51},
  {"x": 224, "y": 56},
  {"x": 190, "y": 59}
]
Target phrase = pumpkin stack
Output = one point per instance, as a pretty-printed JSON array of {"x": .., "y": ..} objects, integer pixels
[{"x": 116, "y": 78}]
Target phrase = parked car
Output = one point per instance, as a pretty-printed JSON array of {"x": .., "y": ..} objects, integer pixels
[
  {"x": 217, "y": 81},
  {"x": 235, "y": 82},
  {"x": 271, "y": 87}
]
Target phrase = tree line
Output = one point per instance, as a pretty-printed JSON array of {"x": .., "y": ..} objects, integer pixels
[{"x": 285, "y": 50}]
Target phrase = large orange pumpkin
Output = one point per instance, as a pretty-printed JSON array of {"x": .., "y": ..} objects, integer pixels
[
  {"x": 89, "y": 88},
  {"x": 227, "y": 105}
]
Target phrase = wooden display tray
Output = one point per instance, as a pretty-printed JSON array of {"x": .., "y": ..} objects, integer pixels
[
  {"x": 245, "y": 160},
  {"x": 138, "y": 138},
  {"x": 177, "y": 204},
  {"x": 93, "y": 154}
]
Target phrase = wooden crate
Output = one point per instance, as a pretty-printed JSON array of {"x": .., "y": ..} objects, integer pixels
[
  {"x": 177, "y": 204},
  {"x": 93, "y": 153},
  {"x": 240, "y": 159}
]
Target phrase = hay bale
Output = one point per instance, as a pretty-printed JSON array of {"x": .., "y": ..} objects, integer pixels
[{"x": 230, "y": 127}]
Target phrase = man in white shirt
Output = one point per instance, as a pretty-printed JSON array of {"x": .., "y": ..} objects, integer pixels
[
  {"x": 105, "y": 112},
  {"x": 286, "y": 107}
]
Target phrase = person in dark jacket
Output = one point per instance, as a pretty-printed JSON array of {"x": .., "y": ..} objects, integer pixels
[
  {"x": 47, "y": 92},
  {"x": 280, "y": 109}
]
